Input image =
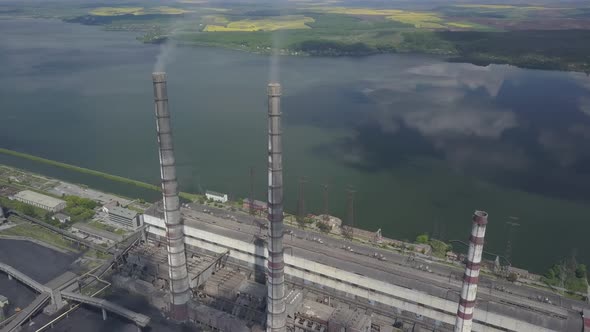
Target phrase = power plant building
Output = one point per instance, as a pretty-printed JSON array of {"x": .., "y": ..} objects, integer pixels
[
  {"x": 41, "y": 201},
  {"x": 315, "y": 286},
  {"x": 125, "y": 217},
  {"x": 256, "y": 205}
]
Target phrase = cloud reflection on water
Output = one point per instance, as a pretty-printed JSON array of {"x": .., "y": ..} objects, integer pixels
[{"x": 511, "y": 126}]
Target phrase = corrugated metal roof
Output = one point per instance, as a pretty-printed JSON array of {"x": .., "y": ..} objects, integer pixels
[
  {"x": 122, "y": 212},
  {"x": 98, "y": 232},
  {"x": 215, "y": 193},
  {"x": 39, "y": 198}
]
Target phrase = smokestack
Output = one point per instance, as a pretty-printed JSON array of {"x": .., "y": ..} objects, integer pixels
[
  {"x": 471, "y": 278},
  {"x": 179, "y": 286},
  {"x": 276, "y": 316}
]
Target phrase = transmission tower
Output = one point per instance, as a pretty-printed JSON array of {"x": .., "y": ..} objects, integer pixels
[
  {"x": 349, "y": 227},
  {"x": 251, "y": 198},
  {"x": 326, "y": 200},
  {"x": 509, "y": 240},
  {"x": 301, "y": 203},
  {"x": 562, "y": 275}
]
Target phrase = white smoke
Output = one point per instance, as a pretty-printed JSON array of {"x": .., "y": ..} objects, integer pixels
[
  {"x": 166, "y": 55},
  {"x": 168, "y": 48},
  {"x": 274, "y": 70}
]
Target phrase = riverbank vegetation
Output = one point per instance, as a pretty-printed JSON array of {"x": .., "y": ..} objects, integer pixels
[
  {"x": 187, "y": 196},
  {"x": 569, "y": 275},
  {"x": 79, "y": 209}
]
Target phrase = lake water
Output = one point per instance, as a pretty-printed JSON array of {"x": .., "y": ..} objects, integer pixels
[{"x": 423, "y": 142}]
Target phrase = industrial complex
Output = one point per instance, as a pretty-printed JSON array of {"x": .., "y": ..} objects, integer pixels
[{"x": 245, "y": 269}]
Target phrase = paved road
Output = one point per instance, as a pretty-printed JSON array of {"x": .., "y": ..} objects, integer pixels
[
  {"x": 444, "y": 281},
  {"x": 447, "y": 272}
]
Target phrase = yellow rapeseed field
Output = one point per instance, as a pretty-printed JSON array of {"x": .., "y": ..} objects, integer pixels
[
  {"x": 418, "y": 19},
  {"x": 168, "y": 10},
  {"x": 282, "y": 23},
  {"x": 462, "y": 25},
  {"x": 357, "y": 11},
  {"x": 425, "y": 20},
  {"x": 501, "y": 7},
  {"x": 116, "y": 11},
  {"x": 216, "y": 19}
]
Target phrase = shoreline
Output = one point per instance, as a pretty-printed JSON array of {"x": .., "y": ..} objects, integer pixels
[{"x": 35, "y": 241}]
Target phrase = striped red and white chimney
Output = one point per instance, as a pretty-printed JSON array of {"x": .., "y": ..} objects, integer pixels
[{"x": 471, "y": 278}]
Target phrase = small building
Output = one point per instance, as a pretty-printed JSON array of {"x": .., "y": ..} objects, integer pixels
[
  {"x": 85, "y": 231},
  {"x": 215, "y": 196},
  {"x": 257, "y": 205},
  {"x": 61, "y": 217},
  {"x": 586, "y": 318},
  {"x": 521, "y": 273},
  {"x": 2, "y": 215},
  {"x": 3, "y": 301},
  {"x": 41, "y": 201},
  {"x": 124, "y": 217},
  {"x": 452, "y": 256},
  {"x": 3, "y": 307}
]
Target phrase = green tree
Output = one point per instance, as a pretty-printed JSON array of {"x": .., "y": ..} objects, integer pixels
[
  {"x": 422, "y": 238},
  {"x": 27, "y": 209},
  {"x": 512, "y": 277},
  {"x": 324, "y": 227},
  {"x": 581, "y": 271}
]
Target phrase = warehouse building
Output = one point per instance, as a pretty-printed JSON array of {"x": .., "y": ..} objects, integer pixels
[
  {"x": 124, "y": 217},
  {"x": 41, "y": 201}
]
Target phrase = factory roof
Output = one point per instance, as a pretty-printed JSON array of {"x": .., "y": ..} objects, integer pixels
[
  {"x": 316, "y": 311},
  {"x": 214, "y": 193},
  {"x": 122, "y": 212},
  {"x": 97, "y": 232},
  {"x": 355, "y": 319},
  {"x": 256, "y": 202},
  {"x": 39, "y": 198}
]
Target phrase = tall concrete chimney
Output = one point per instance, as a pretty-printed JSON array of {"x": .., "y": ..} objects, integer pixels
[
  {"x": 276, "y": 317},
  {"x": 179, "y": 285},
  {"x": 464, "y": 319}
]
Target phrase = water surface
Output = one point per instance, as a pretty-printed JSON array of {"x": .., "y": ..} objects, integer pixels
[{"x": 423, "y": 142}]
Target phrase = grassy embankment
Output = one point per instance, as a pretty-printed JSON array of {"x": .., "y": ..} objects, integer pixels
[
  {"x": 83, "y": 170},
  {"x": 38, "y": 233}
]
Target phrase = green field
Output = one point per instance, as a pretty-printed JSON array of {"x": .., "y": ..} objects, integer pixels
[
  {"x": 116, "y": 11},
  {"x": 328, "y": 28},
  {"x": 272, "y": 24}
]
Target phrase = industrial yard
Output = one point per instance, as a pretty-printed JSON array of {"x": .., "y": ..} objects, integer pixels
[{"x": 219, "y": 265}]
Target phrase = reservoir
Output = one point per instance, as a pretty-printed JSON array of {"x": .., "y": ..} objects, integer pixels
[{"x": 423, "y": 142}]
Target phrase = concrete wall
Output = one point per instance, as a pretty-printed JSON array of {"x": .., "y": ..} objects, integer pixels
[{"x": 355, "y": 286}]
